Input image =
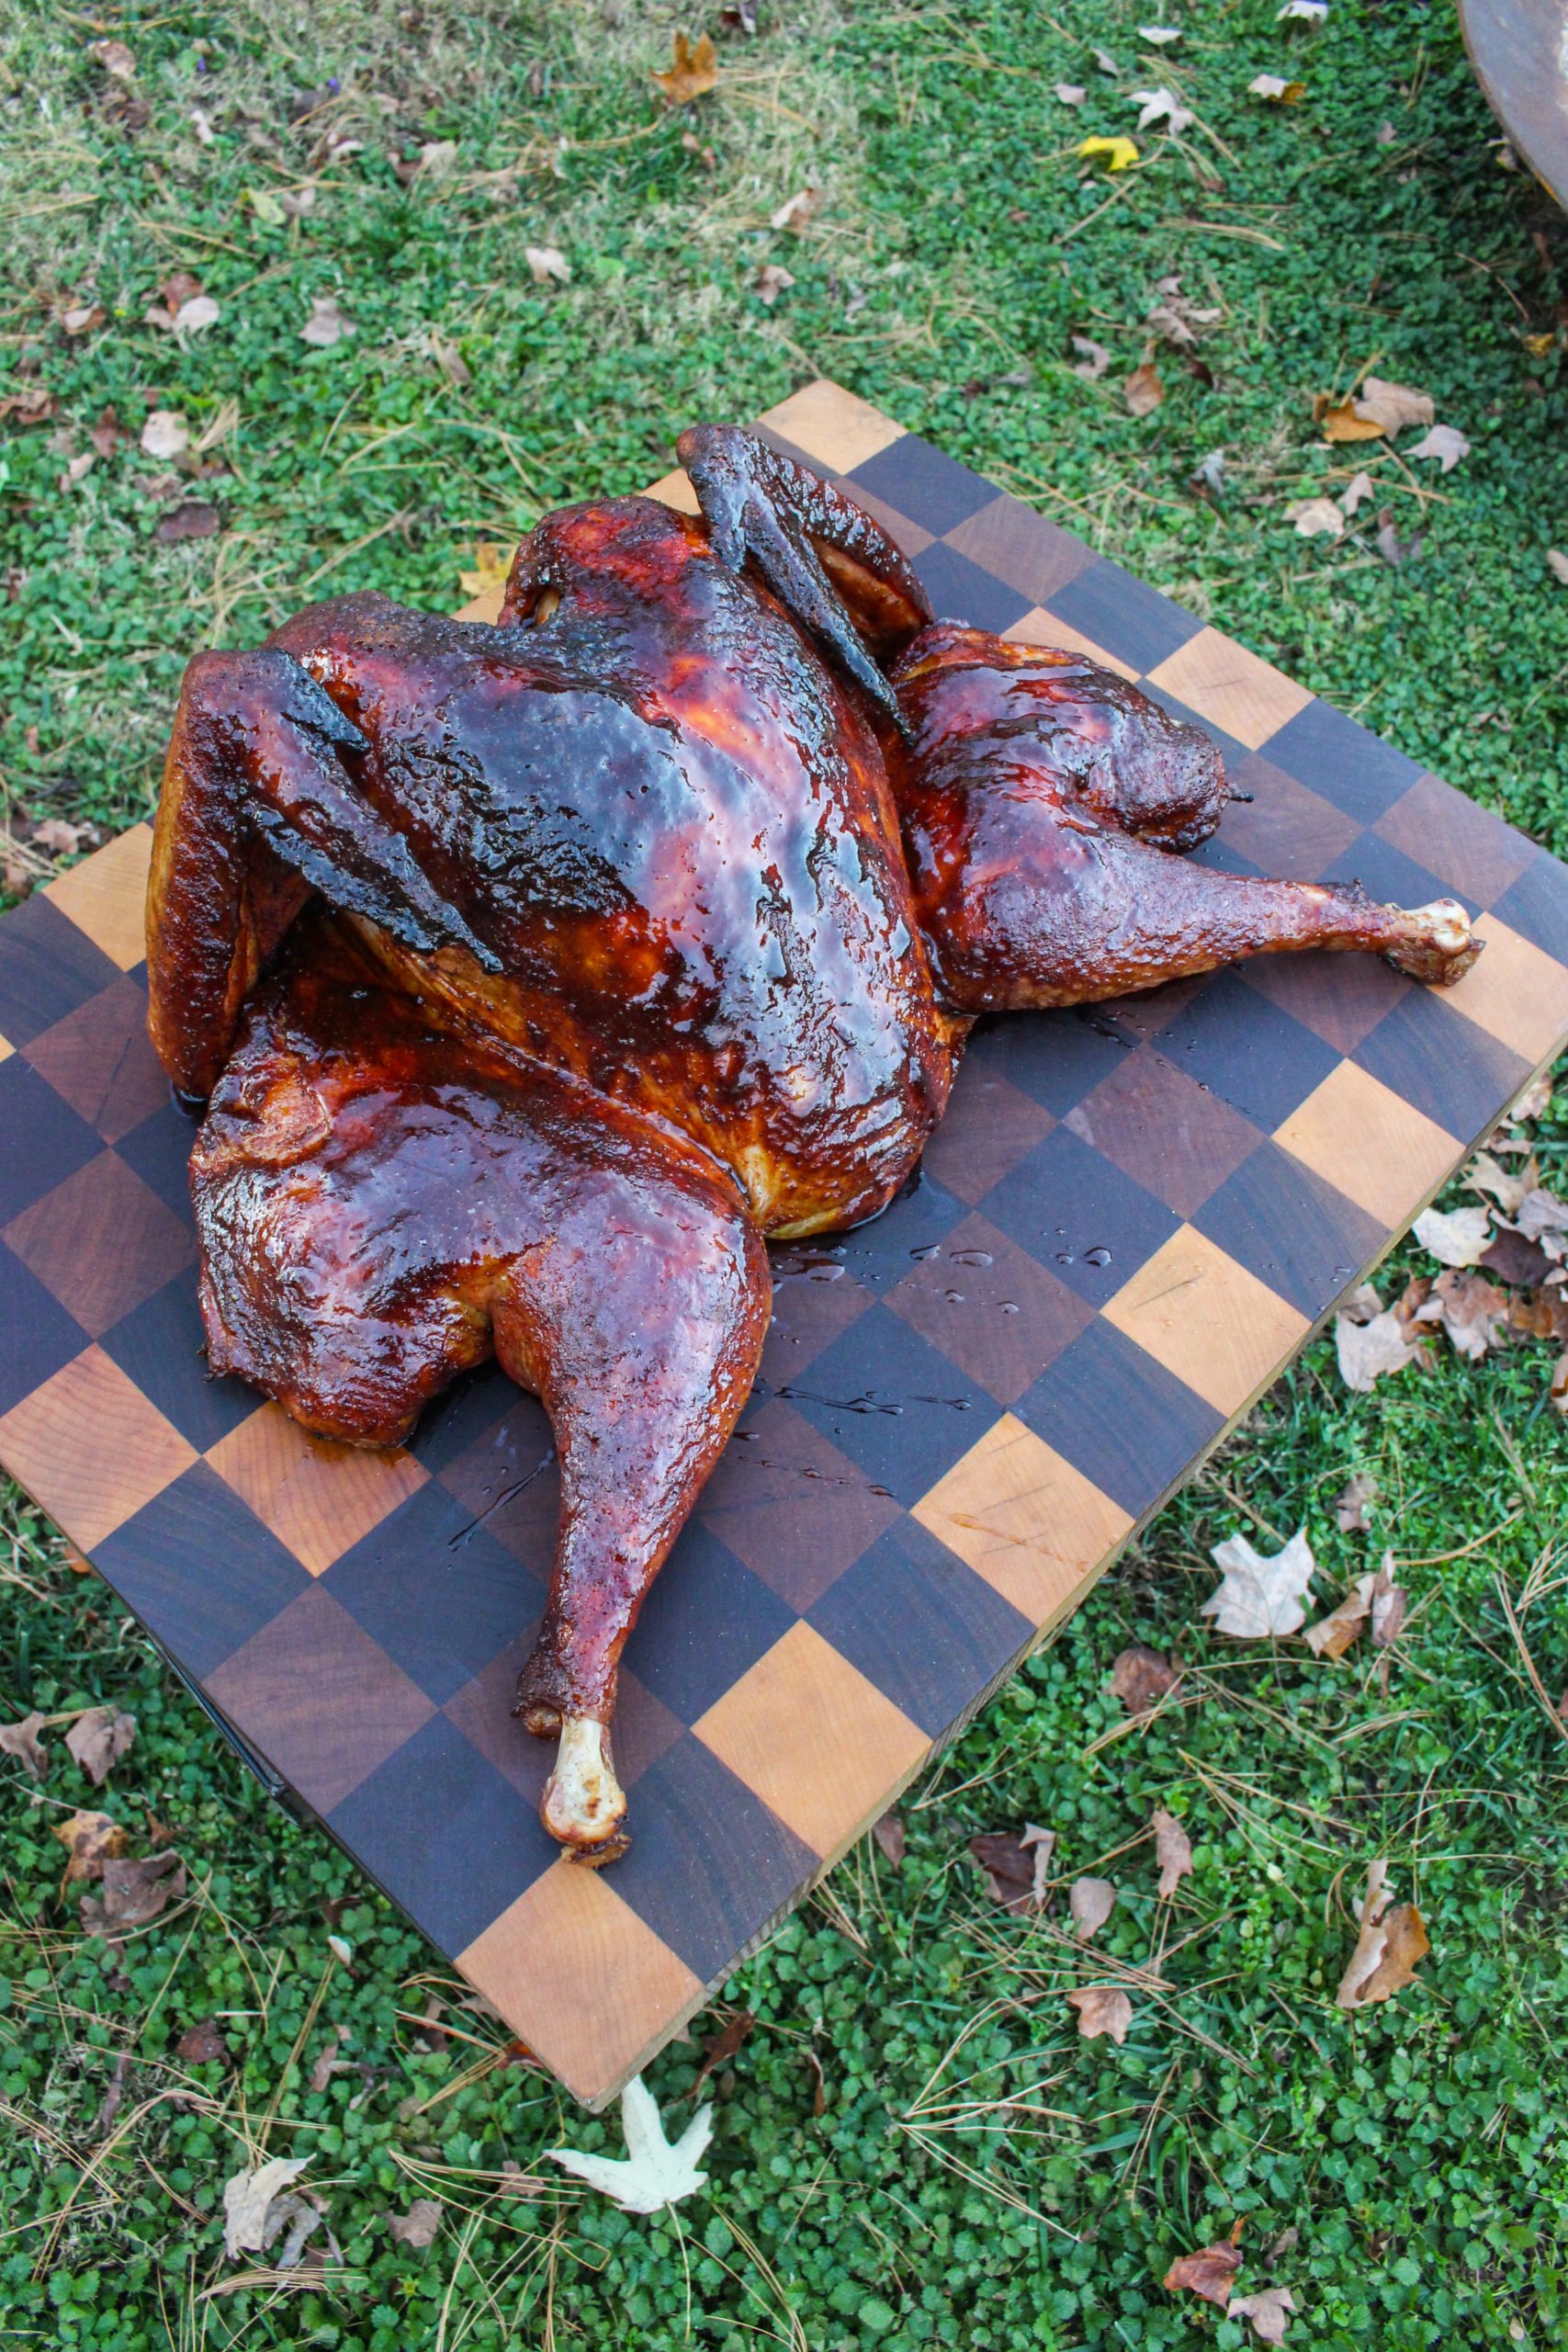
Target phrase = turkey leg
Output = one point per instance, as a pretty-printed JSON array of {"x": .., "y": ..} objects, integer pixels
[
  {"x": 1039, "y": 806},
  {"x": 380, "y": 1205}
]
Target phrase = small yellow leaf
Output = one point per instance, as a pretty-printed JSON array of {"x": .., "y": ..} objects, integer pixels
[
  {"x": 265, "y": 206},
  {"x": 1118, "y": 153},
  {"x": 492, "y": 564},
  {"x": 1342, "y": 423},
  {"x": 692, "y": 72},
  {"x": 1538, "y": 345}
]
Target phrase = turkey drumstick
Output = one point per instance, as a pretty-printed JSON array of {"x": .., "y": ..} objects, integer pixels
[{"x": 1042, "y": 798}]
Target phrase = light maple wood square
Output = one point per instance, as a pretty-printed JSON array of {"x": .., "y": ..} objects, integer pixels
[
  {"x": 1040, "y": 628},
  {"x": 1207, "y": 1320},
  {"x": 814, "y": 1739},
  {"x": 674, "y": 490},
  {"x": 1036, "y": 1528},
  {"x": 106, "y": 896},
  {"x": 577, "y": 1976},
  {"x": 6, "y": 1048},
  {"x": 1229, "y": 686},
  {"x": 1371, "y": 1144},
  {"x": 318, "y": 1498},
  {"x": 839, "y": 429},
  {"x": 1514, "y": 991},
  {"x": 91, "y": 1449}
]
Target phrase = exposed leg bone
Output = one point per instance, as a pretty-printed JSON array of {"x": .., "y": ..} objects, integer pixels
[{"x": 584, "y": 1805}]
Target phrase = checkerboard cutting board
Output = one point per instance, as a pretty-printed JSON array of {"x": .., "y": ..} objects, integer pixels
[{"x": 1130, "y": 1221}]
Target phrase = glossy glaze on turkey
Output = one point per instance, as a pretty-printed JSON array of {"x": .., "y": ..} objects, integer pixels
[{"x": 533, "y": 974}]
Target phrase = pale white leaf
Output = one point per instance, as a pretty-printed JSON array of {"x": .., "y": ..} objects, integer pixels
[
  {"x": 797, "y": 211},
  {"x": 1260, "y": 1596},
  {"x": 326, "y": 325},
  {"x": 1159, "y": 34},
  {"x": 1095, "y": 360},
  {"x": 1558, "y": 562},
  {"x": 1268, "y": 85},
  {"x": 1070, "y": 94},
  {"x": 653, "y": 2173},
  {"x": 165, "y": 434},
  {"x": 1316, "y": 518},
  {"x": 546, "y": 262},
  {"x": 195, "y": 316},
  {"x": 249, "y": 2225},
  {"x": 772, "y": 280},
  {"x": 1393, "y": 406},
  {"x": 202, "y": 125},
  {"x": 1161, "y": 106},
  {"x": 1106, "y": 62},
  {"x": 1044, "y": 1842},
  {"x": 1444, "y": 441},
  {"x": 1368, "y": 1351},
  {"x": 1270, "y": 2307},
  {"x": 1455, "y": 1237},
  {"x": 1302, "y": 12},
  {"x": 1485, "y": 1174},
  {"x": 1360, "y": 488}
]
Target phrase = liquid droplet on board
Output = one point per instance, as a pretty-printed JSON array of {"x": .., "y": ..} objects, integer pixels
[{"x": 1098, "y": 1256}]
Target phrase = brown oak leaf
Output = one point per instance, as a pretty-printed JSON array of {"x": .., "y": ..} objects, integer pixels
[
  {"x": 1143, "y": 391},
  {"x": 1173, "y": 1850},
  {"x": 693, "y": 70},
  {"x": 98, "y": 1738},
  {"x": 1102, "y": 2010},
  {"x": 419, "y": 2225},
  {"x": 91, "y": 1840},
  {"x": 1209, "y": 2272},
  {"x": 1091, "y": 1901},
  {"x": 1269, "y": 2310},
  {"x": 892, "y": 1838},
  {"x": 21, "y": 1740},
  {"x": 1141, "y": 1677},
  {"x": 135, "y": 1893},
  {"x": 1391, "y": 1944},
  {"x": 202, "y": 2045}
]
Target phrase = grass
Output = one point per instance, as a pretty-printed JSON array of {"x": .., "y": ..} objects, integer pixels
[{"x": 913, "y": 2146}]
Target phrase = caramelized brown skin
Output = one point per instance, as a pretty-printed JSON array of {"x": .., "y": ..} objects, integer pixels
[
  {"x": 380, "y": 1205},
  {"x": 659, "y": 911},
  {"x": 1041, "y": 799},
  {"x": 649, "y": 840}
]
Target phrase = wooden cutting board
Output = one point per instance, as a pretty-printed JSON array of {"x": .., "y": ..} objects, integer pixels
[{"x": 1130, "y": 1222}]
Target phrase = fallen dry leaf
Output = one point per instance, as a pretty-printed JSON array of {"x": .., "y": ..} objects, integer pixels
[
  {"x": 654, "y": 2172},
  {"x": 1016, "y": 1868},
  {"x": 1107, "y": 64},
  {"x": 165, "y": 434},
  {"x": 419, "y": 2225},
  {"x": 1259, "y": 1596},
  {"x": 693, "y": 70},
  {"x": 1173, "y": 1850},
  {"x": 1306, "y": 12},
  {"x": 1161, "y": 106},
  {"x": 1094, "y": 361},
  {"x": 1210, "y": 2272},
  {"x": 771, "y": 281},
  {"x": 75, "y": 469},
  {"x": 328, "y": 2063},
  {"x": 1316, "y": 518},
  {"x": 1141, "y": 1677},
  {"x": 797, "y": 211},
  {"x": 1558, "y": 564},
  {"x": 326, "y": 325},
  {"x": 1369, "y": 1350},
  {"x": 720, "y": 2047},
  {"x": 1472, "y": 1311},
  {"x": 1541, "y": 1217},
  {"x": 1353, "y": 1501},
  {"x": 891, "y": 1838},
  {"x": 1454, "y": 1237},
  {"x": 1159, "y": 34},
  {"x": 135, "y": 1893},
  {"x": 192, "y": 519},
  {"x": 202, "y": 2045},
  {"x": 21, "y": 1740},
  {"x": 1142, "y": 391},
  {"x": 438, "y": 159},
  {"x": 1390, "y": 1604},
  {"x": 1356, "y": 490},
  {"x": 91, "y": 1839},
  {"x": 107, "y": 434},
  {"x": 1539, "y": 1314},
  {"x": 1392, "y": 407},
  {"x": 491, "y": 563},
  {"x": 251, "y": 2202},
  {"x": 1091, "y": 1901},
  {"x": 82, "y": 318},
  {"x": 1070, "y": 94},
  {"x": 1102, "y": 2010},
  {"x": 546, "y": 262},
  {"x": 1271, "y": 2306},
  {"x": 1343, "y": 423},
  {"x": 1510, "y": 1191},
  {"x": 1333, "y": 1634},
  {"x": 1444, "y": 441},
  {"x": 1120, "y": 154},
  {"x": 1391, "y": 1944},
  {"x": 1515, "y": 1258},
  {"x": 1279, "y": 91},
  {"x": 98, "y": 1738},
  {"x": 114, "y": 57}
]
